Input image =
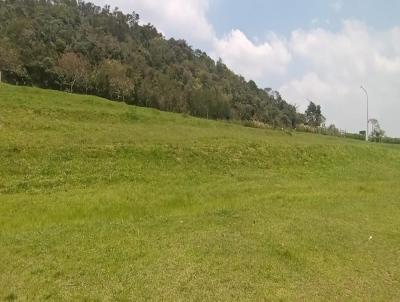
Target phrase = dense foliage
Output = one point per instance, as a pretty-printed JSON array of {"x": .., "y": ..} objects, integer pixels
[
  {"x": 313, "y": 115},
  {"x": 80, "y": 47}
]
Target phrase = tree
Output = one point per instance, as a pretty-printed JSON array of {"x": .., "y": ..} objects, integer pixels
[
  {"x": 112, "y": 76},
  {"x": 9, "y": 60},
  {"x": 377, "y": 132},
  {"x": 73, "y": 67},
  {"x": 313, "y": 115},
  {"x": 332, "y": 130}
]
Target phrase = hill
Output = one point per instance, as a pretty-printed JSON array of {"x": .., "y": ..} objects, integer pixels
[
  {"x": 104, "y": 201},
  {"x": 80, "y": 47}
]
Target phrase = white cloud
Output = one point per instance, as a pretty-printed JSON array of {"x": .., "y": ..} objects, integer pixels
[
  {"x": 254, "y": 61},
  {"x": 174, "y": 18},
  {"x": 337, "y": 63}
]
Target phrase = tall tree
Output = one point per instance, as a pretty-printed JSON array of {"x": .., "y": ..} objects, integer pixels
[
  {"x": 377, "y": 132},
  {"x": 313, "y": 115}
]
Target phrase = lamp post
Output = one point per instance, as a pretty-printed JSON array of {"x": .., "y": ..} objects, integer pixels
[{"x": 366, "y": 93}]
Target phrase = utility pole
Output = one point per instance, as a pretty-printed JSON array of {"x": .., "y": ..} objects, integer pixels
[{"x": 366, "y": 93}]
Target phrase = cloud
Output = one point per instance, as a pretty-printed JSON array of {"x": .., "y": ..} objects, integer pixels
[
  {"x": 254, "y": 61},
  {"x": 174, "y": 18},
  {"x": 337, "y": 63}
]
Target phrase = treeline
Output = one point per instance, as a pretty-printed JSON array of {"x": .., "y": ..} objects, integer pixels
[
  {"x": 83, "y": 48},
  {"x": 390, "y": 140}
]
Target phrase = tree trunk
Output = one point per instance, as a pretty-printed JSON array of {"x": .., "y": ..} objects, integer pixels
[{"x": 72, "y": 85}]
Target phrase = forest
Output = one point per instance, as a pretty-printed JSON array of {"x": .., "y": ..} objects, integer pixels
[{"x": 79, "y": 47}]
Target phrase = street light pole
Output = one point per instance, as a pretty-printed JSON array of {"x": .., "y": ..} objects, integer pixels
[{"x": 366, "y": 93}]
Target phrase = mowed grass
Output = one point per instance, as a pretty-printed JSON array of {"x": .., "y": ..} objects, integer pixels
[{"x": 100, "y": 201}]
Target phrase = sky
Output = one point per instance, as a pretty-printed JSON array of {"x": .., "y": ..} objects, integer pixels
[{"x": 318, "y": 50}]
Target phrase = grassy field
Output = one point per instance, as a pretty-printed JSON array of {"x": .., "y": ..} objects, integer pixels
[{"x": 100, "y": 201}]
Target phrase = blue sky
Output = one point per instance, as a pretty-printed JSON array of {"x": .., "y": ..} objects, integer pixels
[
  {"x": 257, "y": 16},
  {"x": 305, "y": 49}
]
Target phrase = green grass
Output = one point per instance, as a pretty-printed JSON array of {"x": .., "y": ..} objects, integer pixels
[{"x": 100, "y": 201}]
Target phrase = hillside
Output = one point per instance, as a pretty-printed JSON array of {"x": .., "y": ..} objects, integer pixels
[
  {"x": 80, "y": 47},
  {"x": 101, "y": 201}
]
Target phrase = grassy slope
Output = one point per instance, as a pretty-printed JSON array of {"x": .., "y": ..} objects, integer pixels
[{"x": 103, "y": 201}]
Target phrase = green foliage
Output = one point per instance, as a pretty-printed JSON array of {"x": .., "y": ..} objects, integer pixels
[
  {"x": 313, "y": 115},
  {"x": 10, "y": 63},
  {"x": 390, "y": 140},
  {"x": 112, "y": 77},
  {"x": 377, "y": 132},
  {"x": 330, "y": 130},
  {"x": 354, "y": 136},
  {"x": 87, "y": 49}
]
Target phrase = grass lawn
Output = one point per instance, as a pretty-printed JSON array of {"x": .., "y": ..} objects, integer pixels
[{"x": 100, "y": 201}]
